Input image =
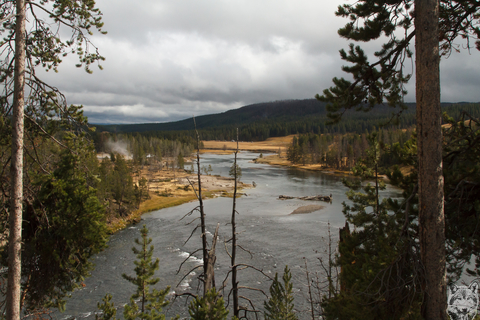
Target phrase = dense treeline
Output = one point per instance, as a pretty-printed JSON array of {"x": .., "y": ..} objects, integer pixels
[
  {"x": 116, "y": 189},
  {"x": 142, "y": 148},
  {"x": 381, "y": 270},
  {"x": 64, "y": 220},
  {"x": 342, "y": 151},
  {"x": 294, "y": 118}
]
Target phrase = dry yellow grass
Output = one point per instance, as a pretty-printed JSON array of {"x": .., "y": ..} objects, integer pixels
[
  {"x": 155, "y": 202},
  {"x": 269, "y": 145},
  {"x": 168, "y": 188},
  {"x": 275, "y": 160}
]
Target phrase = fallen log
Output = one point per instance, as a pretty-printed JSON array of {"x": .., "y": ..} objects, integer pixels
[{"x": 308, "y": 198}]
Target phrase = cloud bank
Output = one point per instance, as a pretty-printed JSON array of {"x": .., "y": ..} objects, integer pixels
[{"x": 169, "y": 60}]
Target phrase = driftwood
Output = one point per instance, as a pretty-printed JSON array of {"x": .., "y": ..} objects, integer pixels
[{"x": 310, "y": 198}]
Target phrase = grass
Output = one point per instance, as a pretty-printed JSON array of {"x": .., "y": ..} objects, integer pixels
[
  {"x": 269, "y": 145},
  {"x": 154, "y": 203}
]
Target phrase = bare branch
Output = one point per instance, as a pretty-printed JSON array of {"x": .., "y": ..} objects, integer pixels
[
  {"x": 191, "y": 234},
  {"x": 185, "y": 260},
  {"x": 186, "y": 275}
]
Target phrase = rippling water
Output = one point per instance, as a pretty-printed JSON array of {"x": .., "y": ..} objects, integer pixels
[{"x": 267, "y": 230}]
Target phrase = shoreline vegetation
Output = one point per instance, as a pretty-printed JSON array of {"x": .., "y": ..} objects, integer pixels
[
  {"x": 168, "y": 188},
  {"x": 276, "y": 148}
]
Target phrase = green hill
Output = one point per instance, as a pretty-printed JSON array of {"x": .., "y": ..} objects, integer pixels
[
  {"x": 244, "y": 115},
  {"x": 279, "y": 118}
]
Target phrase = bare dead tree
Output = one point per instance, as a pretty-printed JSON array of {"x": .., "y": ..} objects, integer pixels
[
  {"x": 234, "y": 266},
  {"x": 209, "y": 258},
  {"x": 234, "y": 239},
  {"x": 210, "y": 272},
  {"x": 324, "y": 283},
  {"x": 202, "y": 211},
  {"x": 309, "y": 285}
]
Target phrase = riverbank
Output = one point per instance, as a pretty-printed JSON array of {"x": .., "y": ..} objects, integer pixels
[
  {"x": 276, "y": 160},
  {"x": 271, "y": 145},
  {"x": 276, "y": 147},
  {"x": 168, "y": 188}
]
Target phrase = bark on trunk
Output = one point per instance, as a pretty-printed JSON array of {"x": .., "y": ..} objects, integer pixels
[
  {"x": 202, "y": 219},
  {"x": 15, "y": 220},
  {"x": 429, "y": 136},
  {"x": 234, "y": 240}
]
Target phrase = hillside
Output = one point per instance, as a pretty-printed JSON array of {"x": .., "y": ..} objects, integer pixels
[
  {"x": 245, "y": 115},
  {"x": 279, "y": 118}
]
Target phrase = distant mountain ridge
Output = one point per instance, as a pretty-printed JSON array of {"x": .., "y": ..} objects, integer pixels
[{"x": 276, "y": 111}]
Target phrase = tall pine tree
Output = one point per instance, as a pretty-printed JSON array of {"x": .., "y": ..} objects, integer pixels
[
  {"x": 145, "y": 304},
  {"x": 435, "y": 25},
  {"x": 280, "y": 305}
]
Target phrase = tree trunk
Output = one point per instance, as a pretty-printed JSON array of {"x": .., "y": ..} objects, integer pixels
[
  {"x": 202, "y": 218},
  {"x": 234, "y": 240},
  {"x": 429, "y": 135},
  {"x": 15, "y": 220}
]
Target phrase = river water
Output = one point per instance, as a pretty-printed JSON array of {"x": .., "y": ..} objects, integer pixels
[{"x": 269, "y": 232}]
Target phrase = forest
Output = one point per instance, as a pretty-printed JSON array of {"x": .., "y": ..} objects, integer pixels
[
  {"x": 277, "y": 119},
  {"x": 59, "y": 198}
]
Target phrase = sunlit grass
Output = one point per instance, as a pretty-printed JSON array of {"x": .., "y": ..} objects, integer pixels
[{"x": 155, "y": 202}]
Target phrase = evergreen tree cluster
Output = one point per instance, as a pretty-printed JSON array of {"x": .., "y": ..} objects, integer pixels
[
  {"x": 63, "y": 220},
  {"x": 343, "y": 151},
  {"x": 300, "y": 117},
  {"x": 146, "y": 303},
  {"x": 280, "y": 305},
  {"x": 144, "y": 148},
  {"x": 382, "y": 275},
  {"x": 115, "y": 187}
]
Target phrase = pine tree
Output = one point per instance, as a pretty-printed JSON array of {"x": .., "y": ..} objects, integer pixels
[
  {"x": 435, "y": 25},
  {"x": 108, "y": 310},
  {"x": 380, "y": 278},
  {"x": 209, "y": 307},
  {"x": 150, "y": 303},
  {"x": 33, "y": 114},
  {"x": 238, "y": 173},
  {"x": 64, "y": 225},
  {"x": 180, "y": 161},
  {"x": 280, "y": 305}
]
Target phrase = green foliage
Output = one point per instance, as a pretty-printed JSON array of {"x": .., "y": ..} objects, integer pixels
[
  {"x": 343, "y": 151},
  {"x": 206, "y": 170},
  {"x": 116, "y": 189},
  {"x": 380, "y": 261},
  {"x": 211, "y": 306},
  {"x": 380, "y": 276},
  {"x": 145, "y": 149},
  {"x": 107, "y": 309},
  {"x": 280, "y": 305},
  {"x": 383, "y": 81},
  {"x": 63, "y": 221},
  {"x": 63, "y": 227},
  {"x": 235, "y": 170},
  {"x": 461, "y": 170},
  {"x": 180, "y": 161},
  {"x": 150, "y": 303}
]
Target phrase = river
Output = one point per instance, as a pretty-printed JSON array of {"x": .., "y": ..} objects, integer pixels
[{"x": 272, "y": 235}]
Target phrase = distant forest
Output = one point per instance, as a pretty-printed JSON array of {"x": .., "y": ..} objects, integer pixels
[{"x": 259, "y": 122}]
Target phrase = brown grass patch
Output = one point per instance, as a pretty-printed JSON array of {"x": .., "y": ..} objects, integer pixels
[{"x": 269, "y": 145}]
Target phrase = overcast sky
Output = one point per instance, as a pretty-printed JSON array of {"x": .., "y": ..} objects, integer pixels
[{"x": 167, "y": 60}]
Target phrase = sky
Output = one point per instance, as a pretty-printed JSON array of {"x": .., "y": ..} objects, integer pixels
[{"x": 169, "y": 60}]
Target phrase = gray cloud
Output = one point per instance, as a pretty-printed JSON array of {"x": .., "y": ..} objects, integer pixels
[{"x": 168, "y": 60}]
